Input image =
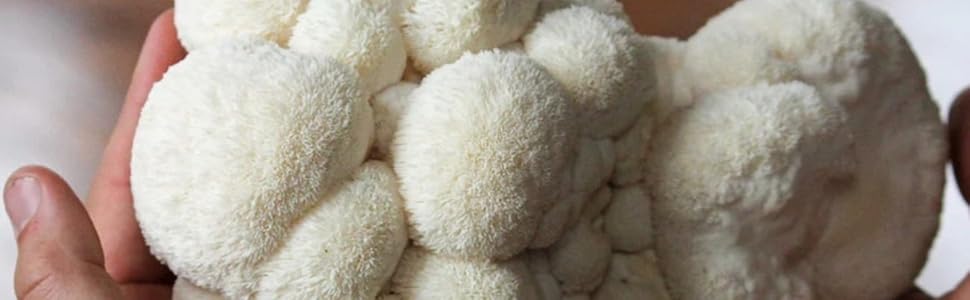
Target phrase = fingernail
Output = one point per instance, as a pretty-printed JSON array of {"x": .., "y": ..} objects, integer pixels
[{"x": 22, "y": 198}]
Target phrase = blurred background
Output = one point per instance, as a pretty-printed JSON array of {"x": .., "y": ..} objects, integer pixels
[{"x": 65, "y": 65}]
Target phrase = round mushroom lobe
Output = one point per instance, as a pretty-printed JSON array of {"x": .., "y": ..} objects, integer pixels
[
  {"x": 264, "y": 134},
  {"x": 482, "y": 152}
]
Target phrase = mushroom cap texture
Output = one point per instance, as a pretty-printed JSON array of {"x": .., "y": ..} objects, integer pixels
[
  {"x": 263, "y": 134},
  {"x": 747, "y": 190},
  {"x": 625, "y": 222},
  {"x": 750, "y": 189},
  {"x": 580, "y": 259},
  {"x": 438, "y": 32},
  {"x": 599, "y": 62},
  {"x": 481, "y": 153},
  {"x": 203, "y": 23},
  {"x": 345, "y": 248},
  {"x": 537, "y": 149},
  {"x": 424, "y": 275},
  {"x": 767, "y": 152},
  {"x": 389, "y": 105},
  {"x": 359, "y": 33},
  {"x": 633, "y": 277},
  {"x": 185, "y": 290},
  {"x": 594, "y": 164}
]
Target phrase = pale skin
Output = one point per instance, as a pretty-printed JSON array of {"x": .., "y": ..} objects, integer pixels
[{"x": 96, "y": 251}]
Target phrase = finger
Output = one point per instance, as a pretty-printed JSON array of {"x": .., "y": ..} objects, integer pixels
[
  {"x": 110, "y": 204},
  {"x": 959, "y": 131},
  {"x": 59, "y": 254},
  {"x": 962, "y": 292},
  {"x": 161, "y": 50}
]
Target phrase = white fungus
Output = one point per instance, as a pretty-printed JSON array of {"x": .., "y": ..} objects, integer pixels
[
  {"x": 874, "y": 214},
  {"x": 203, "y": 23},
  {"x": 631, "y": 151},
  {"x": 580, "y": 259},
  {"x": 424, "y": 275},
  {"x": 633, "y": 277},
  {"x": 627, "y": 220},
  {"x": 541, "y": 149},
  {"x": 725, "y": 173},
  {"x": 556, "y": 220},
  {"x": 472, "y": 192},
  {"x": 438, "y": 32},
  {"x": 596, "y": 58},
  {"x": 547, "y": 285},
  {"x": 185, "y": 290},
  {"x": 594, "y": 165},
  {"x": 599, "y": 202},
  {"x": 359, "y": 33},
  {"x": 388, "y": 106},
  {"x": 345, "y": 248},
  {"x": 259, "y": 141}
]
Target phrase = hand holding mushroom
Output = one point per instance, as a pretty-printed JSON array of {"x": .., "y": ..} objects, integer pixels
[
  {"x": 538, "y": 149},
  {"x": 433, "y": 149}
]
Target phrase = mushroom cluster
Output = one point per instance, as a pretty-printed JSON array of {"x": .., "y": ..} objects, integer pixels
[{"x": 537, "y": 149}]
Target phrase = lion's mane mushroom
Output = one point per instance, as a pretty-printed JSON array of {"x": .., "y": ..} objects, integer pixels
[
  {"x": 537, "y": 149},
  {"x": 480, "y": 154}
]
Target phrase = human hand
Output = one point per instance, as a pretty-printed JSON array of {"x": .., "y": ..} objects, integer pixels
[{"x": 58, "y": 240}]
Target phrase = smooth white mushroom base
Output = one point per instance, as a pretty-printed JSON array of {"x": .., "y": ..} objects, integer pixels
[{"x": 835, "y": 196}]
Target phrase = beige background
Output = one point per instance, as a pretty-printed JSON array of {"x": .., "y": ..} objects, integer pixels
[{"x": 64, "y": 66}]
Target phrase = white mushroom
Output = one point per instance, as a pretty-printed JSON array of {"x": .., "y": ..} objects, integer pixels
[
  {"x": 548, "y": 286},
  {"x": 789, "y": 150},
  {"x": 203, "y": 23},
  {"x": 185, "y": 290},
  {"x": 388, "y": 106},
  {"x": 578, "y": 296},
  {"x": 515, "y": 47},
  {"x": 359, "y": 33},
  {"x": 344, "y": 248},
  {"x": 260, "y": 141},
  {"x": 481, "y": 153},
  {"x": 633, "y": 277},
  {"x": 424, "y": 275},
  {"x": 594, "y": 165},
  {"x": 580, "y": 259},
  {"x": 631, "y": 151},
  {"x": 627, "y": 220},
  {"x": 438, "y": 32},
  {"x": 599, "y": 62},
  {"x": 556, "y": 220},
  {"x": 744, "y": 182},
  {"x": 864, "y": 213},
  {"x": 599, "y": 202},
  {"x": 673, "y": 86}
]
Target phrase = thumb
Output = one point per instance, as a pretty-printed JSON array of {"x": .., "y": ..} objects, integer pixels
[{"x": 59, "y": 253}]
